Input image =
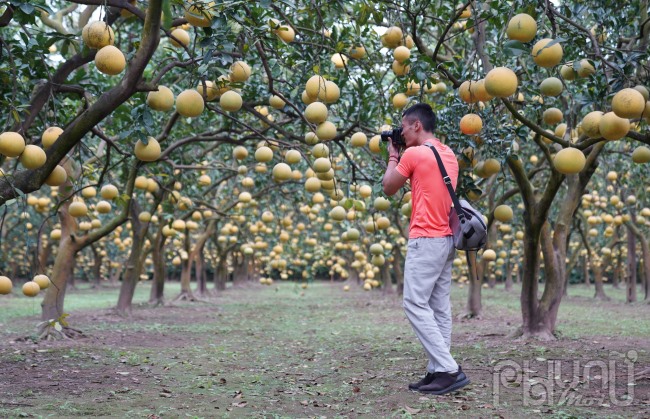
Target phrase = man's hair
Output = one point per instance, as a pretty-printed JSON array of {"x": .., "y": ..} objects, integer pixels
[{"x": 423, "y": 113}]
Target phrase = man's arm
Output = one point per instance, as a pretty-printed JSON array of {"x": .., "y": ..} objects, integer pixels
[{"x": 392, "y": 180}]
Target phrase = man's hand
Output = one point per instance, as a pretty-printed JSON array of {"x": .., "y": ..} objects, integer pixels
[
  {"x": 393, "y": 180},
  {"x": 393, "y": 152}
]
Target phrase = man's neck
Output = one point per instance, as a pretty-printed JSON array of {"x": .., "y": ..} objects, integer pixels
[{"x": 427, "y": 137}]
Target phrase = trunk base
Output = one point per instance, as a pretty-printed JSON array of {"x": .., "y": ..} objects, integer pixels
[
  {"x": 187, "y": 296},
  {"x": 48, "y": 332},
  {"x": 541, "y": 335}
]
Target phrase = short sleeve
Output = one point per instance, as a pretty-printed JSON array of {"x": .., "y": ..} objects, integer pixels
[{"x": 406, "y": 163}]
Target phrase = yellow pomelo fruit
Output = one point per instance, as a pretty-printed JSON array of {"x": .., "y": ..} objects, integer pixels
[
  {"x": 358, "y": 139},
  {"x": 179, "y": 38},
  {"x": 292, "y": 157},
  {"x": 331, "y": 93},
  {"x": 240, "y": 152},
  {"x": 547, "y": 56},
  {"x": 306, "y": 99},
  {"x": 401, "y": 54},
  {"x": 567, "y": 72},
  {"x": 400, "y": 100},
  {"x": 314, "y": 86},
  {"x": 5, "y": 285},
  {"x": 263, "y": 154},
  {"x": 211, "y": 90},
  {"x": 161, "y": 100},
  {"x": 478, "y": 91},
  {"x": 612, "y": 127},
  {"x": 392, "y": 37},
  {"x": 374, "y": 144},
  {"x": 89, "y": 192},
  {"x": 400, "y": 69},
  {"x": 551, "y": 86},
  {"x": 281, "y": 171},
  {"x": 189, "y": 103},
  {"x": 316, "y": 112},
  {"x": 103, "y": 207},
  {"x": 140, "y": 182},
  {"x": 585, "y": 69},
  {"x": 77, "y": 209},
  {"x": 552, "y": 116},
  {"x": 276, "y": 102},
  {"x": 33, "y": 157},
  {"x": 286, "y": 33},
  {"x": 489, "y": 255},
  {"x": 322, "y": 165},
  {"x": 643, "y": 90},
  {"x": 338, "y": 213},
  {"x": 31, "y": 289},
  {"x": 12, "y": 144},
  {"x": 357, "y": 52},
  {"x": 320, "y": 150},
  {"x": 491, "y": 167},
  {"x": 465, "y": 92},
  {"x": 200, "y": 15},
  {"x": 471, "y": 124},
  {"x": 628, "y": 103},
  {"x": 503, "y": 213},
  {"x": 326, "y": 131},
  {"x": 339, "y": 60},
  {"x": 312, "y": 184},
  {"x": 149, "y": 152},
  {"x": 501, "y": 82},
  {"x": 50, "y": 136},
  {"x": 204, "y": 180},
  {"x": 522, "y": 27},
  {"x": 569, "y": 161},
  {"x": 240, "y": 71},
  {"x": 97, "y": 35},
  {"x": 231, "y": 101},
  {"x": 109, "y": 192},
  {"x": 591, "y": 124},
  {"x": 57, "y": 177},
  {"x": 110, "y": 60},
  {"x": 641, "y": 154}
]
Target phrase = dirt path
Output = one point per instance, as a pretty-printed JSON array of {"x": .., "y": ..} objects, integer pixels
[{"x": 281, "y": 352}]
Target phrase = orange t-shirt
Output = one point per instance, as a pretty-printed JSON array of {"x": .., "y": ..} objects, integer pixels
[{"x": 430, "y": 198}]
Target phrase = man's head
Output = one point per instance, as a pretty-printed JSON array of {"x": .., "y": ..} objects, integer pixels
[{"x": 418, "y": 123}]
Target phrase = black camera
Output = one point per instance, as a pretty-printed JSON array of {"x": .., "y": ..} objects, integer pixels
[{"x": 395, "y": 136}]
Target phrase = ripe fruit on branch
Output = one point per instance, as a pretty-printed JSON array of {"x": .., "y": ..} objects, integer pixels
[
  {"x": 522, "y": 27},
  {"x": 147, "y": 152},
  {"x": 110, "y": 60},
  {"x": 545, "y": 55},
  {"x": 569, "y": 161},
  {"x": 160, "y": 100}
]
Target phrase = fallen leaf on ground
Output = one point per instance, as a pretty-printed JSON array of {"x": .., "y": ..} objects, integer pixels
[{"x": 411, "y": 411}]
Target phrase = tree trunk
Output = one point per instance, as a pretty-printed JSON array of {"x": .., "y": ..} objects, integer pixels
[
  {"x": 508, "y": 285},
  {"x": 631, "y": 266},
  {"x": 52, "y": 305},
  {"x": 221, "y": 273},
  {"x": 645, "y": 257},
  {"x": 398, "y": 270},
  {"x": 386, "y": 279},
  {"x": 596, "y": 268},
  {"x": 585, "y": 270},
  {"x": 158, "y": 286},
  {"x": 97, "y": 267},
  {"x": 474, "y": 302}
]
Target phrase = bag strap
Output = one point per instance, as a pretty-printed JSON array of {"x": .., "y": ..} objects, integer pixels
[{"x": 450, "y": 188}]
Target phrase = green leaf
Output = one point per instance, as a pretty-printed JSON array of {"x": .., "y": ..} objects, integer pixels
[{"x": 166, "y": 15}]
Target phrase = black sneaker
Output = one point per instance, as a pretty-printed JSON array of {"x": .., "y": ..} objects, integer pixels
[
  {"x": 445, "y": 382},
  {"x": 427, "y": 379}
]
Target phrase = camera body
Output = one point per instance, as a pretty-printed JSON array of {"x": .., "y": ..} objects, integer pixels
[{"x": 395, "y": 136}]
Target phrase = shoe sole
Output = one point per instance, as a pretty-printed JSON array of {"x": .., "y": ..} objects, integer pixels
[{"x": 456, "y": 386}]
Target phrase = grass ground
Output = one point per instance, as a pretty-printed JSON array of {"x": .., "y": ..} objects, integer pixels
[{"x": 282, "y": 351}]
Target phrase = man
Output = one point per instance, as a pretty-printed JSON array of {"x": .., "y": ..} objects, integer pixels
[{"x": 427, "y": 271}]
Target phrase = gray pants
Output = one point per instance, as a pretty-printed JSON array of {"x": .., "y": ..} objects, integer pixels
[{"x": 427, "y": 283}]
